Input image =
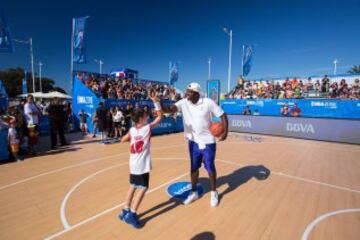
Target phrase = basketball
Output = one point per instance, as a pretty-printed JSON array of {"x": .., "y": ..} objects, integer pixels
[{"x": 217, "y": 129}]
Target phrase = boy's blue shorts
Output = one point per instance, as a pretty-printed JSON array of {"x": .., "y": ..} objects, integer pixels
[{"x": 206, "y": 155}]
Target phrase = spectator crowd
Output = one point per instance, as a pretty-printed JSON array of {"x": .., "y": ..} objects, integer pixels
[
  {"x": 295, "y": 88},
  {"x": 107, "y": 87}
]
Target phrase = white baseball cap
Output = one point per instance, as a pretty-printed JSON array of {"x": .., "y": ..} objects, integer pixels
[{"x": 194, "y": 87}]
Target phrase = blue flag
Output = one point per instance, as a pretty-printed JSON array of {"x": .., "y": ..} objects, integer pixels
[
  {"x": 6, "y": 44},
  {"x": 24, "y": 85},
  {"x": 173, "y": 72},
  {"x": 247, "y": 59},
  {"x": 78, "y": 40}
]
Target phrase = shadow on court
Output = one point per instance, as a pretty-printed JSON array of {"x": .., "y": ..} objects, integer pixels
[
  {"x": 237, "y": 178},
  {"x": 164, "y": 206},
  {"x": 204, "y": 236},
  {"x": 233, "y": 181}
]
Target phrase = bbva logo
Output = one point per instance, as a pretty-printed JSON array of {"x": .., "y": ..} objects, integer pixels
[
  {"x": 181, "y": 190},
  {"x": 299, "y": 127},
  {"x": 84, "y": 100},
  {"x": 164, "y": 125},
  {"x": 241, "y": 123}
]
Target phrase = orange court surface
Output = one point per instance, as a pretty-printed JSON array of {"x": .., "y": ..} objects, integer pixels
[{"x": 312, "y": 192}]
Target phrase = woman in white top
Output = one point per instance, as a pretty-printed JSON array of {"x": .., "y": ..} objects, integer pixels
[
  {"x": 140, "y": 160},
  {"x": 117, "y": 118}
]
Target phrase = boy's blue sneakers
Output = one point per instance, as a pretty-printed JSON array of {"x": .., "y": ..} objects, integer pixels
[
  {"x": 132, "y": 219},
  {"x": 123, "y": 214}
]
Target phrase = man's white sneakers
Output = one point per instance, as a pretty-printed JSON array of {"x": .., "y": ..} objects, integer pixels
[
  {"x": 214, "y": 200},
  {"x": 191, "y": 198}
]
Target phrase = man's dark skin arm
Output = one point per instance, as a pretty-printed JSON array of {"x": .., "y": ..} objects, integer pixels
[{"x": 225, "y": 123}]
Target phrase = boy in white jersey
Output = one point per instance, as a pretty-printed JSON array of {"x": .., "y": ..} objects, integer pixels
[{"x": 140, "y": 160}]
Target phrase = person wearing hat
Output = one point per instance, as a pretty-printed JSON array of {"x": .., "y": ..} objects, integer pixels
[{"x": 197, "y": 112}]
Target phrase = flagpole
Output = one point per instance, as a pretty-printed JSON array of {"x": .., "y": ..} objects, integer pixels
[
  {"x": 242, "y": 62},
  {"x": 169, "y": 72},
  {"x": 32, "y": 63},
  {"x": 209, "y": 75},
  {"x": 72, "y": 57}
]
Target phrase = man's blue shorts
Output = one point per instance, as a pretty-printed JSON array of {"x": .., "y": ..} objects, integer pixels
[{"x": 206, "y": 155}]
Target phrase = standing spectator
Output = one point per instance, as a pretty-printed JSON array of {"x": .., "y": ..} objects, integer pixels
[
  {"x": 247, "y": 111},
  {"x": 317, "y": 86},
  {"x": 57, "y": 118},
  {"x": 297, "y": 92},
  {"x": 117, "y": 118},
  {"x": 109, "y": 122},
  {"x": 285, "y": 110},
  {"x": 325, "y": 83},
  {"x": 309, "y": 85},
  {"x": 13, "y": 140},
  {"x": 101, "y": 121},
  {"x": 295, "y": 111},
  {"x": 68, "y": 116},
  {"x": 127, "y": 115},
  {"x": 95, "y": 124},
  {"x": 334, "y": 90},
  {"x": 32, "y": 115},
  {"x": 83, "y": 119}
]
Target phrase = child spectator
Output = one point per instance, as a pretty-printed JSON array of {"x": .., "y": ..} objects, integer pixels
[
  {"x": 295, "y": 111},
  {"x": 285, "y": 110},
  {"x": 83, "y": 119},
  {"x": 13, "y": 140}
]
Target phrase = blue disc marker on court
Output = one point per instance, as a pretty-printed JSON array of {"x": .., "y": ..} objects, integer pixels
[{"x": 181, "y": 190}]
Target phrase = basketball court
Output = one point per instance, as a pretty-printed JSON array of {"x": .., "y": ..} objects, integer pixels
[{"x": 311, "y": 190}]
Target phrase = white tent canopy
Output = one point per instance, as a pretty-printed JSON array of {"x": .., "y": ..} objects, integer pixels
[
  {"x": 47, "y": 95},
  {"x": 57, "y": 95}
]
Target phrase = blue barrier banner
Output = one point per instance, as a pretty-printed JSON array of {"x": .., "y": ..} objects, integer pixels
[
  {"x": 44, "y": 125},
  {"x": 4, "y": 101},
  {"x": 167, "y": 125},
  {"x": 318, "y": 108},
  {"x": 336, "y": 130},
  {"x": 4, "y": 152}
]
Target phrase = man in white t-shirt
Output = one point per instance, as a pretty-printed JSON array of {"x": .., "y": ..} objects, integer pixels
[
  {"x": 197, "y": 113},
  {"x": 32, "y": 113},
  {"x": 32, "y": 116}
]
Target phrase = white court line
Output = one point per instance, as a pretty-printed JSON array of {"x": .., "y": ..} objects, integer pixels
[
  {"x": 75, "y": 165},
  {"x": 108, "y": 210},
  {"x": 316, "y": 221},
  {"x": 63, "y": 203},
  {"x": 64, "y": 221},
  {"x": 69, "y": 228},
  {"x": 299, "y": 178}
]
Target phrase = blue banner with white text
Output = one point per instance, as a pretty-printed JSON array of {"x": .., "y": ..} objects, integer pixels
[
  {"x": 6, "y": 44},
  {"x": 78, "y": 41},
  {"x": 24, "y": 85},
  {"x": 318, "y": 108},
  {"x": 173, "y": 72},
  {"x": 247, "y": 59}
]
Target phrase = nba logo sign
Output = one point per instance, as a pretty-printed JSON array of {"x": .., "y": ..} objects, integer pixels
[{"x": 181, "y": 190}]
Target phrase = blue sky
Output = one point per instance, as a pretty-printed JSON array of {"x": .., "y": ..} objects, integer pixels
[{"x": 292, "y": 37}]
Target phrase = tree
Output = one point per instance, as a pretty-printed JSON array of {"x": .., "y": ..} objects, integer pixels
[
  {"x": 355, "y": 69},
  {"x": 12, "y": 80}
]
